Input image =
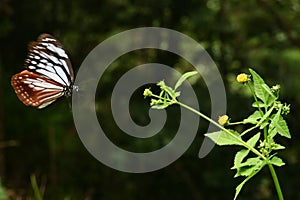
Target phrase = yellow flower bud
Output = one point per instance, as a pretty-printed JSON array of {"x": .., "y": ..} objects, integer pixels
[
  {"x": 223, "y": 119},
  {"x": 242, "y": 78},
  {"x": 147, "y": 92}
]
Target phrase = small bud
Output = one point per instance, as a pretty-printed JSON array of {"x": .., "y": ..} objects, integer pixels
[
  {"x": 153, "y": 102},
  {"x": 264, "y": 151},
  {"x": 261, "y": 144},
  {"x": 147, "y": 93},
  {"x": 276, "y": 88},
  {"x": 286, "y": 109},
  {"x": 161, "y": 83},
  {"x": 223, "y": 119},
  {"x": 242, "y": 78}
]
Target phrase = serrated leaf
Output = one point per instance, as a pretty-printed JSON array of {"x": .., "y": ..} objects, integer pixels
[
  {"x": 277, "y": 161},
  {"x": 272, "y": 97},
  {"x": 223, "y": 138},
  {"x": 272, "y": 131},
  {"x": 240, "y": 186},
  {"x": 262, "y": 90},
  {"x": 246, "y": 170},
  {"x": 184, "y": 77},
  {"x": 249, "y": 166},
  {"x": 282, "y": 128},
  {"x": 280, "y": 125},
  {"x": 257, "y": 83},
  {"x": 239, "y": 157},
  {"x": 251, "y": 162},
  {"x": 253, "y": 119},
  {"x": 244, "y": 152}
]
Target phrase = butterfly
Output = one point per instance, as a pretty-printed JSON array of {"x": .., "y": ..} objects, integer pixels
[{"x": 48, "y": 73}]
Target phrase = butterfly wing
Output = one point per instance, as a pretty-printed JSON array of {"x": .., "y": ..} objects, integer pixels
[
  {"x": 48, "y": 75},
  {"x": 48, "y": 58},
  {"x": 35, "y": 90}
]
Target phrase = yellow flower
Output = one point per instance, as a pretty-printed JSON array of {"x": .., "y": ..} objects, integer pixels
[
  {"x": 242, "y": 78},
  {"x": 223, "y": 119}
]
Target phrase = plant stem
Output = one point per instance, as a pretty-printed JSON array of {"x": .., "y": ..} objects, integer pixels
[
  {"x": 36, "y": 190},
  {"x": 223, "y": 129},
  {"x": 272, "y": 170},
  {"x": 276, "y": 182},
  {"x": 234, "y": 123}
]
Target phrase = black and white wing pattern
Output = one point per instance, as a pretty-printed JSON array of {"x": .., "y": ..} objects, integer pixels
[{"x": 48, "y": 74}]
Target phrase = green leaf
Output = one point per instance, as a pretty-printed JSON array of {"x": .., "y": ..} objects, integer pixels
[
  {"x": 239, "y": 157},
  {"x": 272, "y": 131},
  {"x": 170, "y": 91},
  {"x": 159, "y": 106},
  {"x": 249, "y": 162},
  {"x": 270, "y": 92},
  {"x": 262, "y": 90},
  {"x": 277, "y": 161},
  {"x": 244, "y": 152},
  {"x": 264, "y": 124},
  {"x": 258, "y": 89},
  {"x": 280, "y": 125},
  {"x": 240, "y": 186},
  {"x": 223, "y": 138},
  {"x": 253, "y": 140},
  {"x": 247, "y": 170},
  {"x": 262, "y": 120},
  {"x": 261, "y": 104},
  {"x": 184, "y": 77},
  {"x": 258, "y": 104},
  {"x": 253, "y": 119},
  {"x": 241, "y": 169},
  {"x": 278, "y": 147},
  {"x": 3, "y": 195}
]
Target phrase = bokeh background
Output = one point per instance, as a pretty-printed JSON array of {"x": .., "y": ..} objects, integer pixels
[{"x": 260, "y": 34}]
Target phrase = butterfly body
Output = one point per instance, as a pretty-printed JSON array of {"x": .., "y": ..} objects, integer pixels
[{"x": 48, "y": 73}]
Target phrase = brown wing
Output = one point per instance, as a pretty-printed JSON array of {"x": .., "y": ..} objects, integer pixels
[{"x": 35, "y": 90}]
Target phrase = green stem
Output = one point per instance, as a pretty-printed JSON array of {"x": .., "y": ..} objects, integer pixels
[
  {"x": 276, "y": 182},
  {"x": 36, "y": 190},
  {"x": 234, "y": 123},
  {"x": 223, "y": 129},
  {"x": 272, "y": 170}
]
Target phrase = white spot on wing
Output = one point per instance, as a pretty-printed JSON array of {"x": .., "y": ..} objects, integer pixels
[{"x": 56, "y": 49}]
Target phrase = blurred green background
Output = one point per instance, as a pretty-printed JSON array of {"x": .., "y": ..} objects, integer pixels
[{"x": 260, "y": 34}]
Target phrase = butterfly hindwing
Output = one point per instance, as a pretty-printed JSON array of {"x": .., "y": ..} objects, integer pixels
[{"x": 34, "y": 90}]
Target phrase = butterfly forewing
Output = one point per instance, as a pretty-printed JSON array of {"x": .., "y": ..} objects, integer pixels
[
  {"x": 48, "y": 74},
  {"x": 48, "y": 58}
]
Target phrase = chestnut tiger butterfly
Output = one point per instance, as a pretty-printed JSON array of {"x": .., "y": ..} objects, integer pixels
[{"x": 48, "y": 73}]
